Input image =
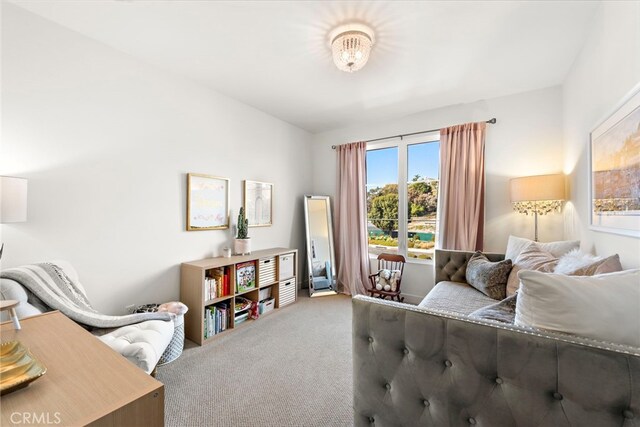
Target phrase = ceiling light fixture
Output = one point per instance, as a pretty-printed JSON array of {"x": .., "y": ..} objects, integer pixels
[{"x": 351, "y": 45}]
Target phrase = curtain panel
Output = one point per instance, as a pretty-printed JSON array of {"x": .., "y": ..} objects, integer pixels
[
  {"x": 351, "y": 218},
  {"x": 461, "y": 194}
]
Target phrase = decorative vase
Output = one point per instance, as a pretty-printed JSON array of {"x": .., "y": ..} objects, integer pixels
[{"x": 243, "y": 246}]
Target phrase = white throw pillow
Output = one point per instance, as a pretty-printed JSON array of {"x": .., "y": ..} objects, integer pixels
[
  {"x": 605, "y": 307},
  {"x": 515, "y": 245}
]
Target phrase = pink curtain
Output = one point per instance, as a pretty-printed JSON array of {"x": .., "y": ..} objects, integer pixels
[
  {"x": 461, "y": 194},
  {"x": 351, "y": 218}
]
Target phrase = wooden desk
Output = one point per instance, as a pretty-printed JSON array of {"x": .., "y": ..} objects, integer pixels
[{"x": 86, "y": 382}]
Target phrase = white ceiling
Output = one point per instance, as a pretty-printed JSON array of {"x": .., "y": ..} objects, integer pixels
[{"x": 275, "y": 55}]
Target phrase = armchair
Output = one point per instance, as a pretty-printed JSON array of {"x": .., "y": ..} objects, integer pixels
[{"x": 141, "y": 338}]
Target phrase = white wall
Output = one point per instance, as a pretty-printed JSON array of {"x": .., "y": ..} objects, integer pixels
[
  {"x": 527, "y": 140},
  {"x": 106, "y": 140},
  {"x": 607, "y": 68}
]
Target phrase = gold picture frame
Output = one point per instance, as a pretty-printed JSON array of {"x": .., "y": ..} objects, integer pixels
[
  {"x": 258, "y": 203},
  {"x": 207, "y": 202}
]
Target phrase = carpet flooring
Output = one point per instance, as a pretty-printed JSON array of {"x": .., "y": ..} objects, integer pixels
[{"x": 291, "y": 367}]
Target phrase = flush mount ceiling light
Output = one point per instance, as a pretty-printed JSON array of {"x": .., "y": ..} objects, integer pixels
[{"x": 351, "y": 45}]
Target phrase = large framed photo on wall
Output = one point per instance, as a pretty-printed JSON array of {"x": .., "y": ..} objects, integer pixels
[
  {"x": 258, "y": 203},
  {"x": 207, "y": 202},
  {"x": 614, "y": 174}
]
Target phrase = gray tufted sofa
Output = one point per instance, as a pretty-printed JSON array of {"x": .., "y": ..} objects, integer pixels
[
  {"x": 452, "y": 292},
  {"x": 416, "y": 366}
]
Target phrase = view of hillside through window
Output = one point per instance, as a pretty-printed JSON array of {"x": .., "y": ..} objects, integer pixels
[
  {"x": 382, "y": 200},
  {"x": 422, "y": 199}
]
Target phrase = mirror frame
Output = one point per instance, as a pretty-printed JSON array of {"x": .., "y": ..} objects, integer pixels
[{"x": 333, "y": 287}]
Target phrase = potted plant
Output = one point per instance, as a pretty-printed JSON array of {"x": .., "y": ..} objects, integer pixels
[{"x": 242, "y": 241}]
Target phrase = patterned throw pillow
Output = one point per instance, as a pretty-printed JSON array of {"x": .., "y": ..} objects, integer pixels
[{"x": 488, "y": 277}]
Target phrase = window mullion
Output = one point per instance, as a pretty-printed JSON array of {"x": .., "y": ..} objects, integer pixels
[{"x": 402, "y": 198}]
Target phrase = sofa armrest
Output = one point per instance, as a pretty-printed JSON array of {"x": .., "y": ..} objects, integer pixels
[
  {"x": 451, "y": 265},
  {"x": 417, "y": 367}
]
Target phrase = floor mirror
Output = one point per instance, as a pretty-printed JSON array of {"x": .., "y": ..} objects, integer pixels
[{"x": 321, "y": 265}]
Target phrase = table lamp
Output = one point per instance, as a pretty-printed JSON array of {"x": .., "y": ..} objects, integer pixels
[
  {"x": 537, "y": 195},
  {"x": 13, "y": 201}
]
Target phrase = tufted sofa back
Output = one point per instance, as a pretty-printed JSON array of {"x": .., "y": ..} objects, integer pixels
[
  {"x": 451, "y": 266},
  {"x": 415, "y": 367}
]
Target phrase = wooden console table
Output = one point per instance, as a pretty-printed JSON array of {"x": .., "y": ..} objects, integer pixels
[{"x": 86, "y": 382}]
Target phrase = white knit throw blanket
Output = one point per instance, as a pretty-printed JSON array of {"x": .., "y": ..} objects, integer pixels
[{"x": 58, "y": 291}]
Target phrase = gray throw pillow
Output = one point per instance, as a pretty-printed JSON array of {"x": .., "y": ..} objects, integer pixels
[
  {"x": 488, "y": 277},
  {"x": 503, "y": 311}
]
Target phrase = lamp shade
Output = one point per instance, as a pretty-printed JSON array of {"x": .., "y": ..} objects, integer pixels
[
  {"x": 537, "y": 188},
  {"x": 13, "y": 199}
]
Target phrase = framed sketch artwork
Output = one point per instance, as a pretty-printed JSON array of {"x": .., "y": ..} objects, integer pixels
[
  {"x": 614, "y": 175},
  {"x": 207, "y": 202},
  {"x": 258, "y": 203}
]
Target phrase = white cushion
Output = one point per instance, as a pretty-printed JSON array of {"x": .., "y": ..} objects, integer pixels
[
  {"x": 515, "y": 245},
  {"x": 605, "y": 307},
  {"x": 575, "y": 260},
  {"x": 142, "y": 343}
]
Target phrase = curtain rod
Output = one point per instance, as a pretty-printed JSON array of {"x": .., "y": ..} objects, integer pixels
[{"x": 491, "y": 121}]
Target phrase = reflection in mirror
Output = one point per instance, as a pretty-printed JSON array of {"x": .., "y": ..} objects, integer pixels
[{"x": 320, "y": 254}]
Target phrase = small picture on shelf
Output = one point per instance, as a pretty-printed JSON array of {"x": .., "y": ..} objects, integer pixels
[{"x": 245, "y": 276}]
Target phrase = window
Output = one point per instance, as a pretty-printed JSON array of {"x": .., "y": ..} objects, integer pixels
[{"x": 402, "y": 190}]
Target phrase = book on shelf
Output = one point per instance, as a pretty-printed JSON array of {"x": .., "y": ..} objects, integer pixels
[
  {"x": 245, "y": 276},
  {"x": 216, "y": 283},
  {"x": 216, "y": 319}
]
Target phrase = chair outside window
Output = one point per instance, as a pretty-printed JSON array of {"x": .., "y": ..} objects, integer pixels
[{"x": 391, "y": 262}]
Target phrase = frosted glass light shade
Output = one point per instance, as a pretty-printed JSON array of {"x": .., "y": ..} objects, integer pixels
[{"x": 13, "y": 199}]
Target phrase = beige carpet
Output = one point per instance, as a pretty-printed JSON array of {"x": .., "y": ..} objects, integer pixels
[{"x": 291, "y": 367}]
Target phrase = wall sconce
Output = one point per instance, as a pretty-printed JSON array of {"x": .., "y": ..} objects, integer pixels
[{"x": 537, "y": 195}]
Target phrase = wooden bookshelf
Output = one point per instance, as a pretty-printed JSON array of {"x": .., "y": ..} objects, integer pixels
[{"x": 192, "y": 286}]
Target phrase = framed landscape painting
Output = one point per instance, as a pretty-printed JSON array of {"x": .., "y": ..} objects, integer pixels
[
  {"x": 207, "y": 202},
  {"x": 614, "y": 178},
  {"x": 258, "y": 203}
]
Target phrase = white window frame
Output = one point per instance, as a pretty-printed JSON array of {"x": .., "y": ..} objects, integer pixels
[{"x": 402, "y": 144}]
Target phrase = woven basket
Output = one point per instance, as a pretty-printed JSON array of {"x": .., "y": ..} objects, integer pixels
[{"x": 175, "y": 347}]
